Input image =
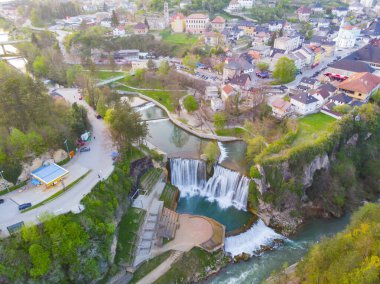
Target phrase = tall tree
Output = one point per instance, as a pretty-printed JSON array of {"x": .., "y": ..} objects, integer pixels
[
  {"x": 284, "y": 70},
  {"x": 114, "y": 19}
]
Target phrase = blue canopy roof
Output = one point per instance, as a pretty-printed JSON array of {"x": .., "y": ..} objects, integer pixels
[{"x": 49, "y": 173}]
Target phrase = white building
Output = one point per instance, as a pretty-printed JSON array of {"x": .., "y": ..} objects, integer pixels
[
  {"x": 304, "y": 103},
  {"x": 287, "y": 43},
  {"x": 196, "y": 23},
  {"x": 347, "y": 36},
  {"x": 118, "y": 31},
  {"x": 106, "y": 23},
  {"x": 217, "y": 104},
  {"x": 237, "y": 5}
]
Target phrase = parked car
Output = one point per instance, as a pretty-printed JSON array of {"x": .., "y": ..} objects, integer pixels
[
  {"x": 84, "y": 149},
  {"x": 98, "y": 116},
  {"x": 1, "y": 201},
  {"x": 283, "y": 87},
  {"x": 24, "y": 206}
]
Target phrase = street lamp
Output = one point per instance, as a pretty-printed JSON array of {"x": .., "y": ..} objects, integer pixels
[
  {"x": 67, "y": 148},
  {"x": 2, "y": 177}
]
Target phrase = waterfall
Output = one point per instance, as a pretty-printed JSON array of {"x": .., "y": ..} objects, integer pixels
[
  {"x": 227, "y": 187},
  {"x": 223, "y": 152},
  {"x": 144, "y": 107},
  {"x": 251, "y": 241}
]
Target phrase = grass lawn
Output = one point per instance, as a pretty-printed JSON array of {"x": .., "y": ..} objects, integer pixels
[
  {"x": 233, "y": 132},
  {"x": 128, "y": 229},
  {"x": 104, "y": 75},
  {"x": 181, "y": 42},
  {"x": 170, "y": 196},
  {"x": 162, "y": 97},
  {"x": 149, "y": 266},
  {"x": 313, "y": 126}
]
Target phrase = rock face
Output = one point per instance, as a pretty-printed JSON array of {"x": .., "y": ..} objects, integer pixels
[
  {"x": 4, "y": 184},
  {"x": 320, "y": 162},
  {"x": 138, "y": 168},
  {"x": 46, "y": 158}
]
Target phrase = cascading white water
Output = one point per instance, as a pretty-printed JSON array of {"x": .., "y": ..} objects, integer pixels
[
  {"x": 251, "y": 241},
  {"x": 144, "y": 106},
  {"x": 227, "y": 187},
  {"x": 223, "y": 153}
]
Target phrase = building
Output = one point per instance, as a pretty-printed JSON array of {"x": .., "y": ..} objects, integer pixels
[
  {"x": 287, "y": 43},
  {"x": 227, "y": 92},
  {"x": 106, "y": 23},
  {"x": 127, "y": 54},
  {"x": 340, "y": 12},
  {"x": 236, "y": 66},
  {"x": 344, "y": 68},
  {"x": 237, "y": 5},
  {"x": 216, "y": 104},
  {"x": 218, "y": 24},
  {"x": 309, "y": 83},
  {"x": 303, "y": 13},
  {"x": 139, "y": 64},
  {"x": 211, "y": 92},
  {"x": 140, "y": 29},
  {"x": 323, "y": 92},
  {"x": 211, "y": 38},
  {"x": 369, "y": 54},
  {"x": 248, "y": 27},
  {"x": 155, "y": 21},
  {"x": 360, "y": 86},
  {"x": 49, "y": 174},
  {"x": 347, "y": 36},
  {"x": 367, "y": 3},
  {"x": 178, "y": 23},
  {"x": 118, "y": 31},
  {"x": 241, "y": 82},
  {"x": 281, "y": 108},
  {"x": 304, "y": 103},
  {"x": 275, "y": 26},
  {"x": 196, "y": 23}
]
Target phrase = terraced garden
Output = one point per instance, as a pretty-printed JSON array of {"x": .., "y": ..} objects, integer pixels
[
  {"x": 128, "y": 235},
  {"x": 170, "y": 196},
  {"x": 149, "y": 179}
]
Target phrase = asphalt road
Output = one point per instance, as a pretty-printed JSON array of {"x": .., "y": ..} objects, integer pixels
[{"x": 98, "y": 160}]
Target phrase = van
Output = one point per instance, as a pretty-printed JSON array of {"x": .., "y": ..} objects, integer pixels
[{"x": 24, "y": 206}]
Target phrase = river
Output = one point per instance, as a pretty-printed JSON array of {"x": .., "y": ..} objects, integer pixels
[{"x": 16, "y": 61}]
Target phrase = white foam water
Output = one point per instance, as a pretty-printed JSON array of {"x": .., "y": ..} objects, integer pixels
[
  {"x": 223, "y": 152},
  {"x": 251, "y": 241},
  {"x": 144, "y": 106},
  {"x": 226, "y": 187}
]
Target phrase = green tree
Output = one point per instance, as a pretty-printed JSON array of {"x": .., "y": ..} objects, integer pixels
[
  {"x": 190, "y": 103},
  {"x": 343, "y": 109},
  {"x": 150, "y": 64},
  {"x": 211, "y": 151},
  {"x": 255, "y": 146},
  {"x": 72, "y": 73},
  {"x": 262, "y": 66},
  {"x": 163, "y": 68},
  {"x": 220, "y": 120},
  {"x": 39, "y": 66},
  {"x": 190, "y": 61},
  {"x": 284, "y": 70},
  {"x": 18, "y": 142},
  {"x": 40, "y": 260},
  {"x": 126, "y": 125},
  {"x": 114, "y": 19}
]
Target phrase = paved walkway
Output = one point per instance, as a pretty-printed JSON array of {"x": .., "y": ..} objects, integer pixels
[
  {"x": 161, "y": 269},
  {"x": 99, "y": 160}
]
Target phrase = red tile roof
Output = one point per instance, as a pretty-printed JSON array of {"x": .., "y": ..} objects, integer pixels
[
  {"x": 197, "y": 16},
  {"x": 219, "y": 20},
  {"x": 361, "y": 82},
  {"x": 228, "y": 89}
]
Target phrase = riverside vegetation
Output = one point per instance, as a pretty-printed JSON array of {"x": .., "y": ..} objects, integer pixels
[{"x": 316, "y": 167}]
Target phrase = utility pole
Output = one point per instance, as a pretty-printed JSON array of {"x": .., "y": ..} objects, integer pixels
[{"x": 2, "y": 177}]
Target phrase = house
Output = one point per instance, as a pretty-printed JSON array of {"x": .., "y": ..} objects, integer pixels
[
  {"x": 248, "y": 27},
  {"x": 299, "y": 59},
  {"x": 259, "y": 52},
  {"x": 155, "y": 21},
  {"x": 127, "y": 54},
  {"x": 287, "y": 43},
  {"x": 308, "y": 82},
  {"x": 178, "y": 23},
  {"x": 324, "y": 43},
  {"x": 196, "y": 23},
  {"x": 218, "y": 24},
  {"x": 323, "y": 23},
  {"x": 227, "y": 92},
  {"x": 304, "y": 103},
  {"x": 303, "y": 13},
  {"x": 216, "y": 104},
  {"x": 344, "y": 68},
  {"x": 347, "y": 36},
  {"x": 211, "y": 92},
  {"x": 367, "y": 3},
  {"x": 275, "y": 26},
  {"x": 323, "y": 92},
  {"x": 281, "y": 108},
  {"x": 373, "y": 28},
  {"x": 317, "y": 8},
  {"x": 339, "y": 12},
  {"x": 237, "y": 5},
  {"x": 356, "y": 8},
  {"x": 211, "y": 38},
  {"x": 236, "y": 66},
  {"x": 308, "y": 54},
  {"x": 360, "y": 86},
  {"x": 118, "y": 31},
  {"x": 241, "y": 82},
  {"x": 140, "y": 29},
  {"x": 340, "y": 99}
]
